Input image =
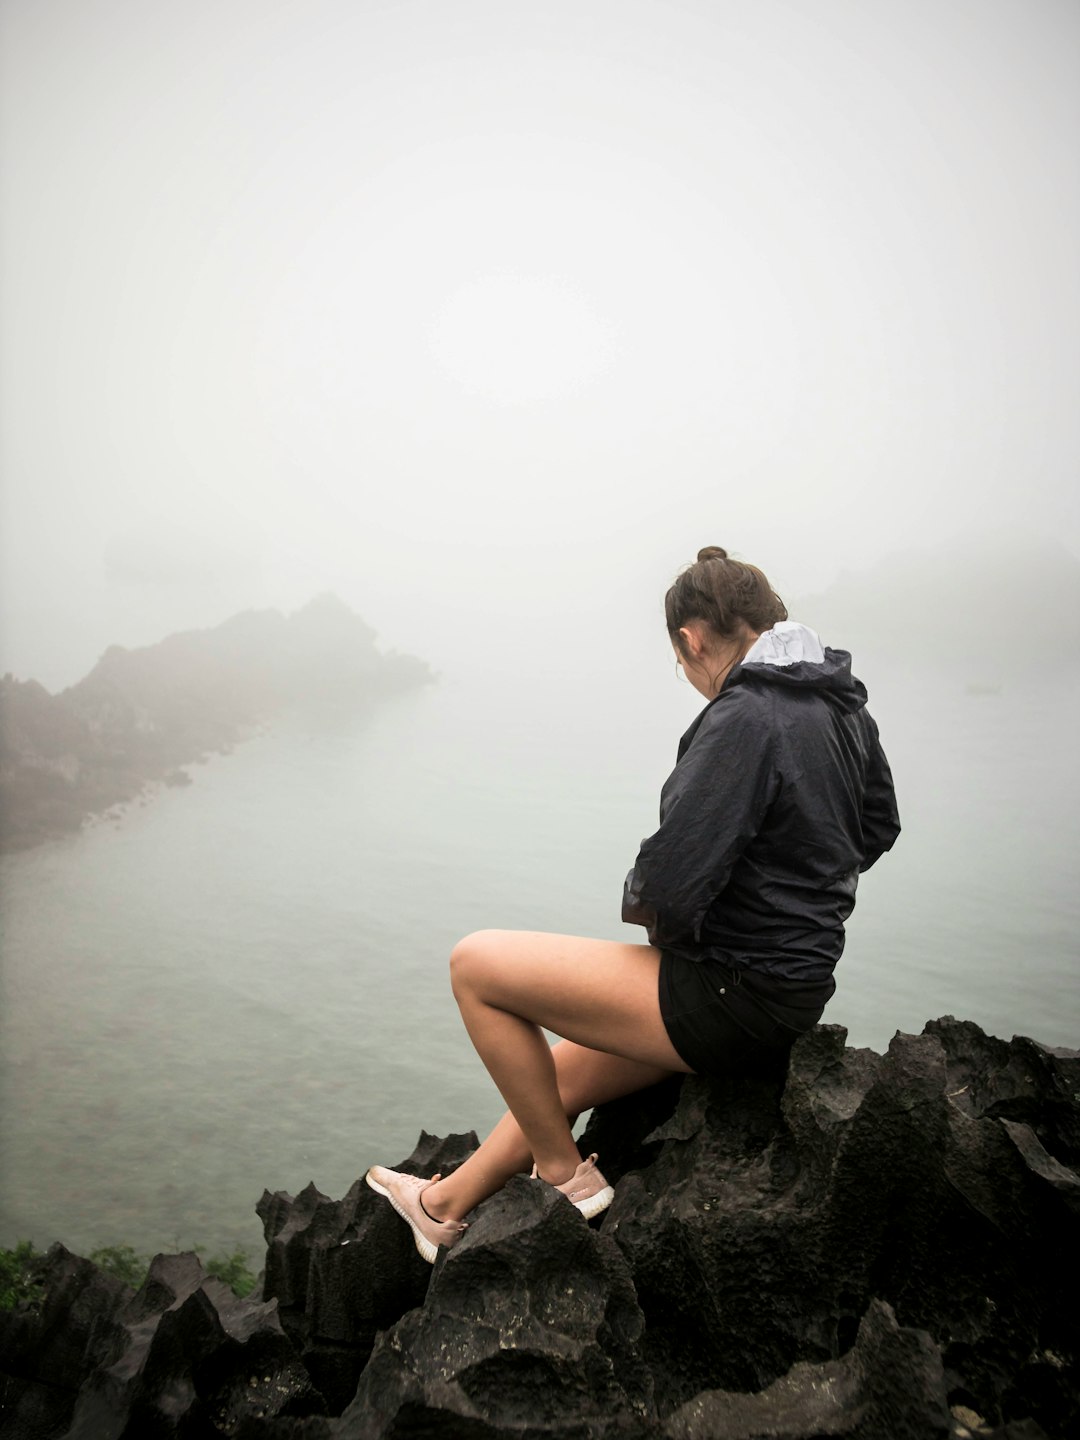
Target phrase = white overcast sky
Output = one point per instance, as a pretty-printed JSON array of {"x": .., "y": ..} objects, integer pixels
[{"x": 487, "y": 315}]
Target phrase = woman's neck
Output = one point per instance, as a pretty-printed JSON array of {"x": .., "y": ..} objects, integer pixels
[{"x": 729, "y": 657}]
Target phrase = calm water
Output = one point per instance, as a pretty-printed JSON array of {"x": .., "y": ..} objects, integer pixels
[{"x": 242, "y": 984}]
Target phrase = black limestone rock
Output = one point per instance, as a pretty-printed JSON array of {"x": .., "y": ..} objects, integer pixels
[
  {"x": 531, "y": 1314},
  {"x": 872, "y": 1245},
  {"x": 342, "y": 1270},
  {"x": 890, "y": 1383}
]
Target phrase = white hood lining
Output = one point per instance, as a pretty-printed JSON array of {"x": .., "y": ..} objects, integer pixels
[{"x": 787, "y": 643}]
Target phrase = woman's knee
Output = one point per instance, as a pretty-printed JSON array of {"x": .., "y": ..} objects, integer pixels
[{"x": 471, "y": 957}]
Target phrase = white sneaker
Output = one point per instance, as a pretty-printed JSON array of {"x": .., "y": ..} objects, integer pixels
[
  {"x": 587, "y": 1190},
  {"x": 403, "y": 1192}
]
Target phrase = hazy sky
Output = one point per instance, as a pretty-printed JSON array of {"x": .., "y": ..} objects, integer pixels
[{"x": 487, "y": 314}]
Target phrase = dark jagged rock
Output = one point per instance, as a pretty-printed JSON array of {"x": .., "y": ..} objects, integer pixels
[
  {"x": 343, "y": 1270},
  {"x": 530, "y": 1324},
  {"x": 316, "y": 1427},
  {"x": 191, "y": 1359},
  {"x": 50, "y": 1348},
  {"x": 1017, "y": 1080},
  {"x": 890, "y": 1383},
  {"x": 626, "y": 1132},
  {"x": 1012, "y": 1430},
  {"x": 772, "y": 1218},
  {"x": 182, "y": 1356},
  {"x": 868, "y": 1246}
]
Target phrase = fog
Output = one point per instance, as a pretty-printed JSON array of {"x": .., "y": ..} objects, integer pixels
[{"x": 487, "y": 315}]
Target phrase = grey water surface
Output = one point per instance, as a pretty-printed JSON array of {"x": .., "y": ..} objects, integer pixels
[{"x": 242, "y": 983}]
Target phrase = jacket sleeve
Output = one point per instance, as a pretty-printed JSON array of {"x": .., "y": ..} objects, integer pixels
[
  {"x": 880, "y": 817},
  {"x": 711, "y": 807}
]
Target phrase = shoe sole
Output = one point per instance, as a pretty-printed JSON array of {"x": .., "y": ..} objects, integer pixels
[
  {"x": 427, "y": 1250},
  {"x": 595, "y": 1204}
]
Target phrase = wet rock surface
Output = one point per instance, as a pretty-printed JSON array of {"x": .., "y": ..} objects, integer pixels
[
  {"x": 180, "y": 1356},
  {"x": 872, "y": 1245},
  {"x": 343, "y": 1270},
  {"x": 48, "y": 1350},
  {"x": 865, "y": 1177},
  {"x": 889, "y": 1383},
  {"x": 531, "y": 1316}
]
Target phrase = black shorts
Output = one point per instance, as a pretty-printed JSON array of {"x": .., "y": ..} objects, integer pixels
[{"x": 727, "y": 1021}]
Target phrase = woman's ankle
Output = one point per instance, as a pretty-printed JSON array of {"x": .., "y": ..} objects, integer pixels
[
  {"x": 557, "y": 1172},
  {"x": 434, "y": 1203}
]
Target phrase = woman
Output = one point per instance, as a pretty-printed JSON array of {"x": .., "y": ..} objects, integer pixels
[{"x": 780, "y": 797}]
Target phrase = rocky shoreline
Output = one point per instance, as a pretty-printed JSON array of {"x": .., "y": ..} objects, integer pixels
[
  {"x": 140, "y": 716},
  {"x": 872, "y": 1246}
]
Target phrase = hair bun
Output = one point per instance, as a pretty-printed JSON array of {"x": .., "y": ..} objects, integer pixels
[{"x": 712, "y": 552}]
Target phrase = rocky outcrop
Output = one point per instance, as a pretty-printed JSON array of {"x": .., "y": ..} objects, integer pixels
[
  {"x": 890, "y": 1383},
  {"x": 531, "y": 1317},
  {"x": 140, "y": 715},
  {"x": 50, "y": 1348},
  {"x": 773, "y": 1217},
  {"x": 870, "y": 1246},
  {"x": 342, "y": 1271},
  {"x": 181, "y": 1356}
]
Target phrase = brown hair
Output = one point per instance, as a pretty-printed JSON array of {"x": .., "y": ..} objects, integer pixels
[{"x": 723, "y": 593}]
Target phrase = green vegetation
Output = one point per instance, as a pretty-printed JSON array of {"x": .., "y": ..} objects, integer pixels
[
  {"x": 120, "y": 1261},
  {"x": 232, "y": 1270},
  {"x": 16, "y": 1281}
]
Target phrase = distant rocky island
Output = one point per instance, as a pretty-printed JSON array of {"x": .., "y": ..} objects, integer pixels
[{"x": 141, "y": 715}]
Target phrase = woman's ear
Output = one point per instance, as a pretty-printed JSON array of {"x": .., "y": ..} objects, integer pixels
[{"x": 690, "y": 642}]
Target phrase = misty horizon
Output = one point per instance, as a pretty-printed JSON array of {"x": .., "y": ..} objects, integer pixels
[
  {"x": 487, "y": 319},
  {"x": 1004, "y": 589}
]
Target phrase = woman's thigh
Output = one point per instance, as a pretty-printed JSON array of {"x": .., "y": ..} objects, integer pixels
[
  {"x": 588, "y": 1077},
  {"x": 601, "y": 994}
]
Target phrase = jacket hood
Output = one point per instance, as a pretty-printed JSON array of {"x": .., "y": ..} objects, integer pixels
[{"x": 792, "y": 654}]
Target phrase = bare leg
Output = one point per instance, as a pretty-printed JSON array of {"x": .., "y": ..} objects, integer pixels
[
  {"x": 601, "y": 995},
  {"x": 585, "y": 1078}
]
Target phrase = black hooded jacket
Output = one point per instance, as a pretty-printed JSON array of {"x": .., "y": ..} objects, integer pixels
[{"x": 780, "y": 797}]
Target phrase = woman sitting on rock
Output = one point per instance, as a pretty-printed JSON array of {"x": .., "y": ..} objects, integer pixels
[{"x": 781, "y": 795}]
